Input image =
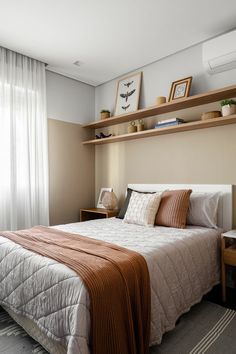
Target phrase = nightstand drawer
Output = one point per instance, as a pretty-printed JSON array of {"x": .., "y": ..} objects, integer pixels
[{"x": 229, "y": 255}]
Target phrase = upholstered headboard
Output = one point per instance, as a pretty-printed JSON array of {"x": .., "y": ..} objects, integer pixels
[{"x": 225, "y": 209}]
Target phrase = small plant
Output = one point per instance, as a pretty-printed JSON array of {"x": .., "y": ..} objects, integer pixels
[
  {"x": 105, "y": 111},
  {"x": 227, "y": 103}
]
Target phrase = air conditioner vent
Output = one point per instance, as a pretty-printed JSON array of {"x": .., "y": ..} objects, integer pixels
[{"x": 219, "y": 54}]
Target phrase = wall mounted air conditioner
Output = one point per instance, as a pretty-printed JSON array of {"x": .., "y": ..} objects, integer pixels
[{"x": 219, "y": 54}]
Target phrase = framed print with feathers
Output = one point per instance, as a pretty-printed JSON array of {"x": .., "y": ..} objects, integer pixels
[{"x": 127, "y": 95}]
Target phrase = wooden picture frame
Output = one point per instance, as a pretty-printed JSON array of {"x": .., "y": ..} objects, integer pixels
[
  {"x": 101, "y": 194},
  {"x": 180, "y": 89},
  {"x": 128, "y": 93}
]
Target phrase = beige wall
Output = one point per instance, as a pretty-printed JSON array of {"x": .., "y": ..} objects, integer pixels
[
  {"x": 201, "y": 156},
  {"x": 71, "y": 171}
]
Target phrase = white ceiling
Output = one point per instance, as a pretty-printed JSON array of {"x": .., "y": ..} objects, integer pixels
[{"x": 109, "y": 37}]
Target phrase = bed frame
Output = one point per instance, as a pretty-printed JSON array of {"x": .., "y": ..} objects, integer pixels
[{"x": 225, "y": 210}]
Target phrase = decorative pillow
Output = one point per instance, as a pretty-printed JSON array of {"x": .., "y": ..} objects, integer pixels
[
  {"x": 173, "y": 208},
  {"x": 203, "y": 209},
  {"x": 142, "y": 208},
  {"x": 123, "y": 210}
]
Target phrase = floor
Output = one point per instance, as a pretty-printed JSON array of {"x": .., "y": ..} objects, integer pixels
[{"x": 215, "y": 296}]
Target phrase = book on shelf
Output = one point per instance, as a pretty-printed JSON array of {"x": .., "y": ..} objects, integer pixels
[
  {"x": 171, "y": 120},
  {"x": 161, "y": 125}
]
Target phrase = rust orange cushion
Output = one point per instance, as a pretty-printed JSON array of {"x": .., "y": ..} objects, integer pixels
[{"x": 173, "y": 208}]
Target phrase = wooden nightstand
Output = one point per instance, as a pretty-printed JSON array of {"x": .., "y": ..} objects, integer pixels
[
  {"x": 228, "y": 256},
  {"x": 96, "y": 213}
]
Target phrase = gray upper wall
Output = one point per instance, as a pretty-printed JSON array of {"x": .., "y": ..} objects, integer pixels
[
  {"x": 158, "y": 76},
  {"x": 69, "y": 100},
  {"x": 73, "y": 101}
]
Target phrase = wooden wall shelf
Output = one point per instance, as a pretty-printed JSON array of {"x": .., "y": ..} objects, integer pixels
[
  {"x": 216, "y": 122},
  {"x": 192, "y": 101}
]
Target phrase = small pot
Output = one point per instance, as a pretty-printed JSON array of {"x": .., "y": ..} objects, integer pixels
[
  {"x": 140, "y": 125},
  {"x": 105, "y": 115},
  {"x": 228, "y": 110},
  {"x": 160, "y": 100},
  {"x": 132, "y": 128}
]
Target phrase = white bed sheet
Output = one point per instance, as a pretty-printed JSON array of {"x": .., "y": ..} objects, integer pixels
[{"x": 183, "y": 266}]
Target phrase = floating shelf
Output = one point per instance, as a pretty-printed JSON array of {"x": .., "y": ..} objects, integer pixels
[
  {"x": 183, "y": 103},
  {"x": 215, "y": 122}
]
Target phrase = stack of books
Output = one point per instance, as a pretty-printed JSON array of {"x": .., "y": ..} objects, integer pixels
[{"x": 169, "y": 122}]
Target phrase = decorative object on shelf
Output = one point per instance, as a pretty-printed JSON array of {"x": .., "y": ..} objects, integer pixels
[
  {"x": 101, "y": 195},
  {"x": 210, "y": 115},
  {"x": 160, "y": 100},
  {"x": 110, "y": 201},
  {"x": 140, "y": 125},
  {"x": 105, "y": 113},
  {"x": 127, "y": 96},
  {"x": 169, "y": 122},
  {"x": 180, "y": 89},
  {"x": 132, "y": 128},
  {"x": 228, "y": 107},
  {"x": 103, "y": 136}
]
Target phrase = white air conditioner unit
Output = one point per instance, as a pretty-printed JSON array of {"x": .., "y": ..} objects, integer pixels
[{"x": 219, "y": 54}]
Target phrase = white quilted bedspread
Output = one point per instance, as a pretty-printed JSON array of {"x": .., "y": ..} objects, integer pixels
[{"x": 183, "y": 265}]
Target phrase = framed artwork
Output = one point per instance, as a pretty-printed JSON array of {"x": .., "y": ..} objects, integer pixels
[
  {"x": 127, "y": 95},
  {"x": 180, "y": 89},
  {"x": 101, "y": 195}
]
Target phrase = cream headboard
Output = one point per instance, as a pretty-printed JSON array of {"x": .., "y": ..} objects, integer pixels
[{"x": 225, "y": 210}]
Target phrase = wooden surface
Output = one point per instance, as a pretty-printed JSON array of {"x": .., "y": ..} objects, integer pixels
[
  {"x": 192, "y": 101},
  {"x": 223, "y": 276},
  {"x": 230, "y": 234},
  {"x": 96, "y": 213},
  {"x": 228, "y": 256},
  {"x": 165, "y": 130}
]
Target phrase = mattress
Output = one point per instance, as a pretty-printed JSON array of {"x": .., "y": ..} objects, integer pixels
[{"x": 183, "y": 266}]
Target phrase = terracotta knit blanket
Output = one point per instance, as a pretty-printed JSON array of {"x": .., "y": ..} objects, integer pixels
[{"x": 117, "y": 280}]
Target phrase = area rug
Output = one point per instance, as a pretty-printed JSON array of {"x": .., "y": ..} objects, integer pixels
[
  {"x": 14, "y": 340},
  {"x": 207, "y": 328}
]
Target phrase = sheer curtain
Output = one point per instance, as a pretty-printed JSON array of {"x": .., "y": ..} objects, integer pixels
[{"x": 23, "y": 142}]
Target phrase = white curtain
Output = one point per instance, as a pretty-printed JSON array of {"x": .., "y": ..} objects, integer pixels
[{"x": 23, "y": 142}]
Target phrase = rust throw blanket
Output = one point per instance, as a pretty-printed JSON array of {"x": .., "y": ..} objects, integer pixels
[{"x": 116, "y": 278}]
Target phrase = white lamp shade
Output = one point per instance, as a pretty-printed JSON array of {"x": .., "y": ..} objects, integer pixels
[{"x": 110, "y": 201}]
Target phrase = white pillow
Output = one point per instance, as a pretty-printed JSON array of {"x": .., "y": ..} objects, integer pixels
[
  {"x": 142, "y": 208},
  {"x": 203, "y": 209}
]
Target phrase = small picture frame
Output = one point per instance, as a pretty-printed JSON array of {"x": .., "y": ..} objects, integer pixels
[
  {"x": 101, "y": 195},
  {"x": 127, "y": 94},
  {"x": 180, "y": 89}
]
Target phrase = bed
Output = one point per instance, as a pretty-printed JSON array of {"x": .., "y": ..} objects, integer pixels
[{"x": 50, "y": 301}]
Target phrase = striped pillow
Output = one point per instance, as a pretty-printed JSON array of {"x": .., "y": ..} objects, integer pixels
[
  {"x": 142, "y": 208},
  {"x": 173, "y": 208}
]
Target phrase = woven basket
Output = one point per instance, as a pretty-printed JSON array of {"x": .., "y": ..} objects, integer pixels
[{"x": 211, "y": 115}]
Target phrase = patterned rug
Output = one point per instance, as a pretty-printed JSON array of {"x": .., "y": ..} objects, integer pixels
[
  {"x": 14, "y": 340},
  {"x": 207, "y": 328}
]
